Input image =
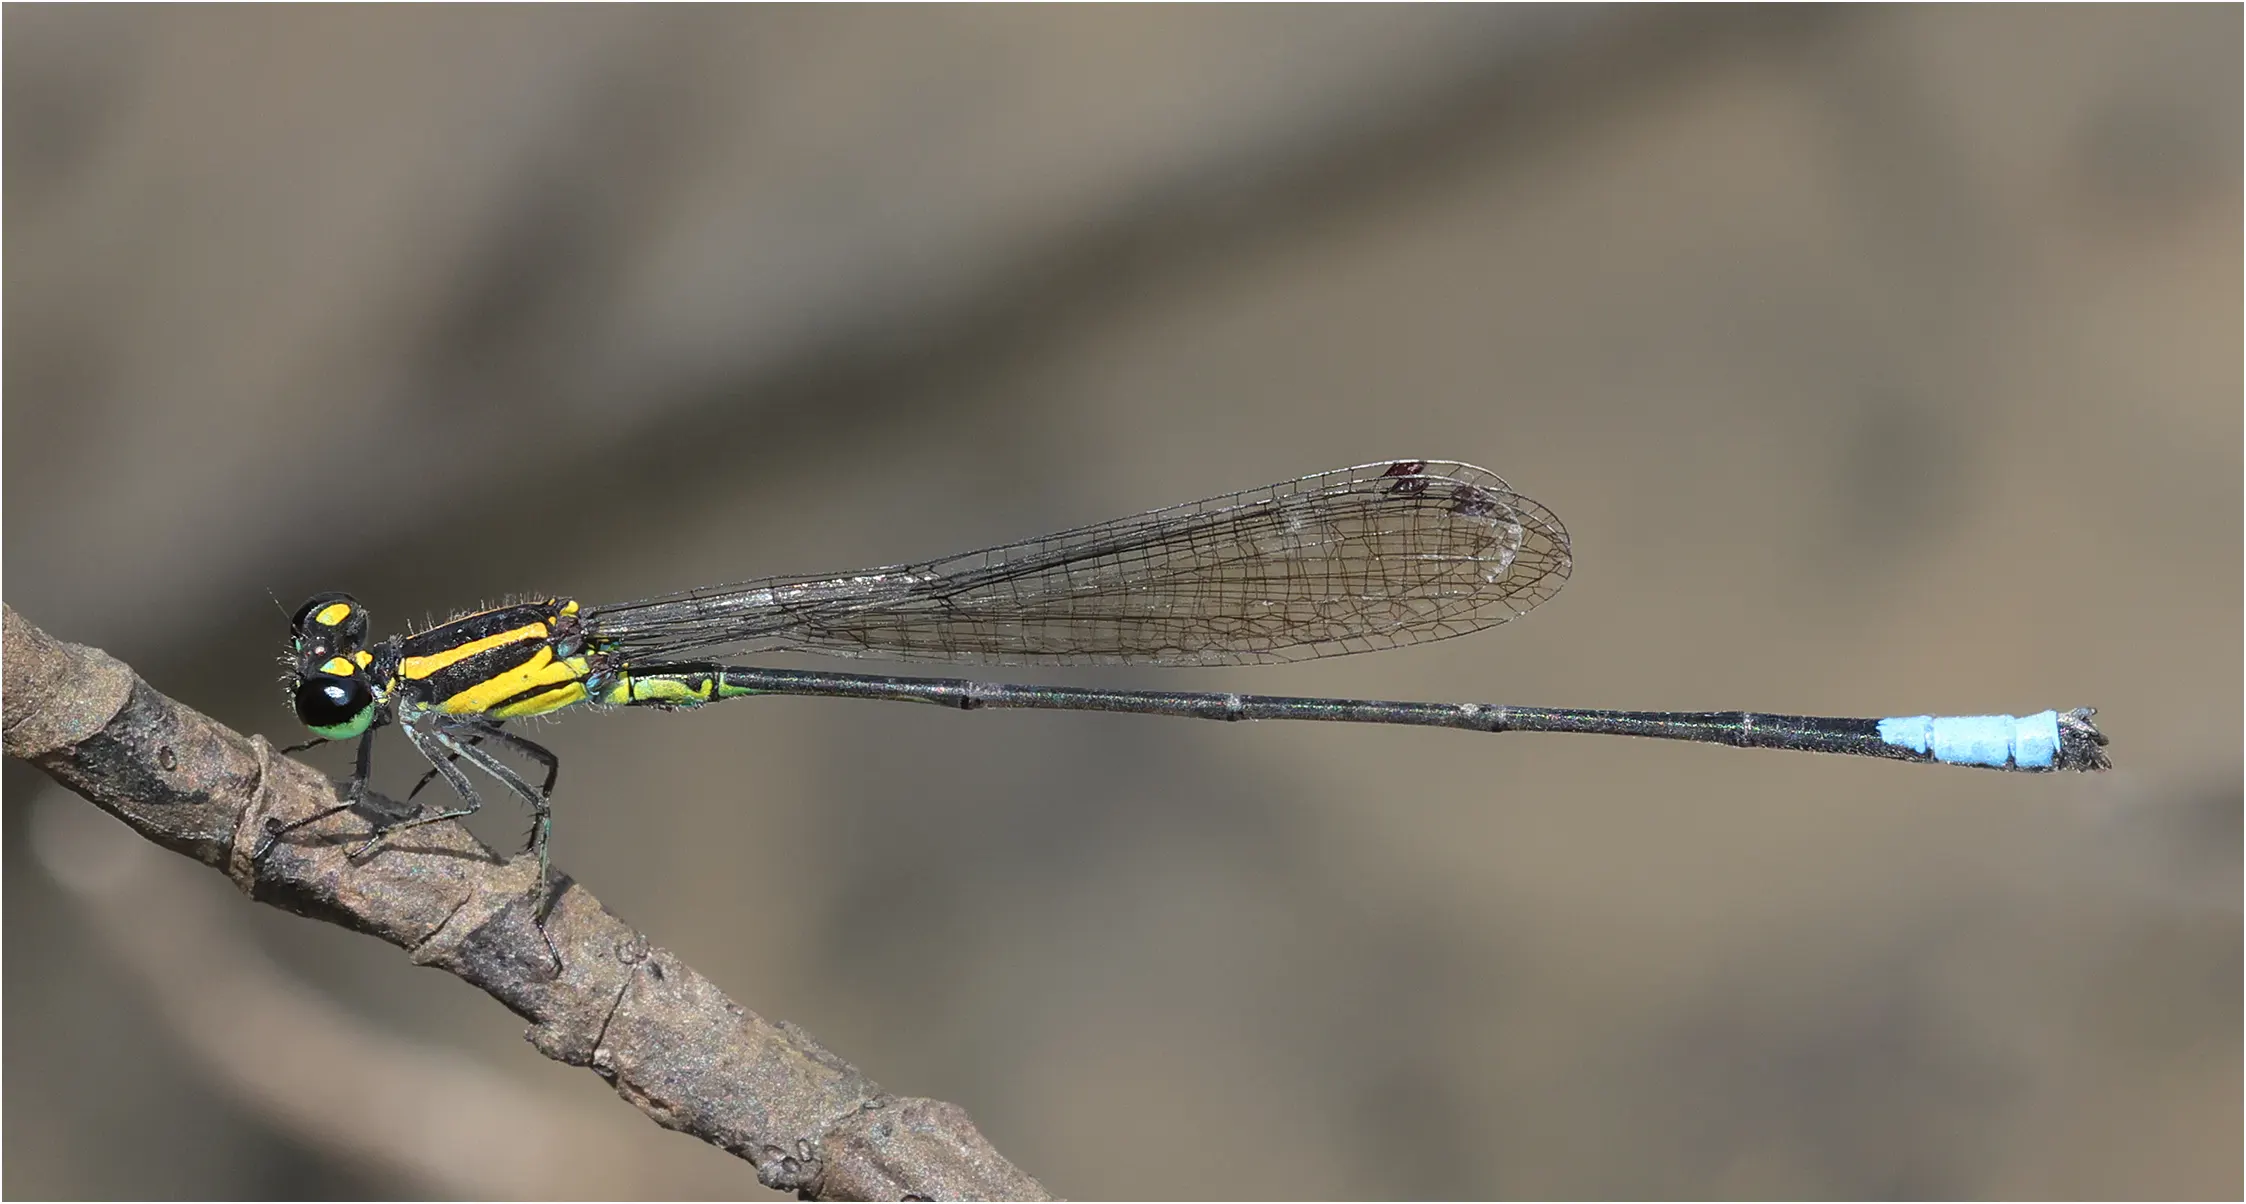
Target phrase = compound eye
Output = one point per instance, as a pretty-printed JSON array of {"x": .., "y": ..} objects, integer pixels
[
  {"x": 334, "y": 706},
  {"x": 330, "y": 623}
]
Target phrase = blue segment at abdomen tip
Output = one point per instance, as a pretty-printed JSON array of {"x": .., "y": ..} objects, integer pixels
[{"x": 1997, "y": 741}]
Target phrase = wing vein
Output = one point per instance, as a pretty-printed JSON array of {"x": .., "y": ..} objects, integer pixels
[{"x": 1345, "y": 561}]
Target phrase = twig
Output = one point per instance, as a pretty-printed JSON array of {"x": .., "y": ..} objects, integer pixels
[
  {"x": 668, "y": 1040},
  {"x": 230, "y": 1009}
]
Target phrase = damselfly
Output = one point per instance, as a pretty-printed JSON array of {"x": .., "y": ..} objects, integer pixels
[{"x": 1398, "y": 552}]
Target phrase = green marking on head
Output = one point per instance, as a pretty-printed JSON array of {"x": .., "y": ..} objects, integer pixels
[
  {"x": 335, "y": 706},
  {"x": 355, "y": 726}
]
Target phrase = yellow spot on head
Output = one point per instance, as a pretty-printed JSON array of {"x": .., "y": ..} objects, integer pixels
[
  {"x": 339, "y": 667},
  {"x": 332, "y": 614}
]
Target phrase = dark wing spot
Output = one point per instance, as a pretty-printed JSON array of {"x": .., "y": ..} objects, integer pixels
[
  {"x": 1473, "y": 501},
  {"x": 1406, "y": 473}
]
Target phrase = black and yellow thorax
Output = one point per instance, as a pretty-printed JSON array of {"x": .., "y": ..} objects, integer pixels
[{"x": 510, "y": 662}]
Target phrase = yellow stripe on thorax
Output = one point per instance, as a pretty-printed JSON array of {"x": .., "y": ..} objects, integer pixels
[
  {"x": 419, "y": 667},
  {"x": 566, "y": 695},
  {"x": 484, "y": 698}
]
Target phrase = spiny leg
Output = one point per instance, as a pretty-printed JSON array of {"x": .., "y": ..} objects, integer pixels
[
  {"x": 445, "y": 741},
  {"x": 354, "y": 793},
  {"x": 428, "y": 777},
  {"x": 462, "y": 739},
  {"x": 540, "y": 800},
  {"x": 355, "y": 789},
  {"x": 441, "y": 753},
  {"x": 541, "y": 809}
]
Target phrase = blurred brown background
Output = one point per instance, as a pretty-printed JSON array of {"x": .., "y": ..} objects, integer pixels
[{"x": 1880, "y": 361}]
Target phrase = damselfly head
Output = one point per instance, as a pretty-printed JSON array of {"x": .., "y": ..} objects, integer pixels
[
  {"x": 328, "y": 625},
  {"x": 330, "y": 689}
]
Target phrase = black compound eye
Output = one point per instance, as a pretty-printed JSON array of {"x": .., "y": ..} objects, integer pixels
[
  {"x": 330, "y": 623},
  {"x": 335, "y": 707}
]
